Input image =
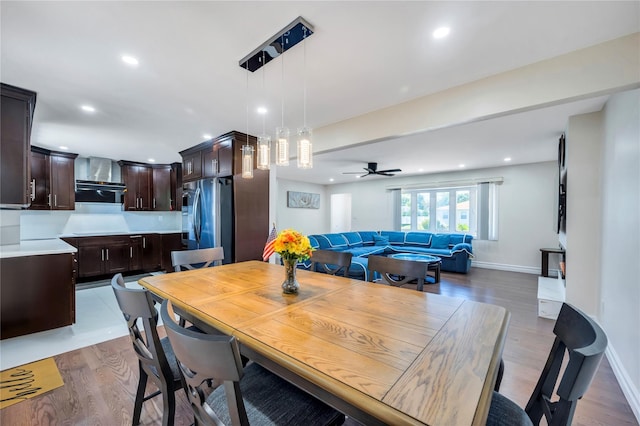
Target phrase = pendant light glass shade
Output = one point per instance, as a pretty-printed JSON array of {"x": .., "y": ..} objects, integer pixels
[
  {"x": 282, "y": 146},
  {"x": 305, "y": 148},
  {"x": 264, "y": 152},
  {"x": 247, "y": 162}
]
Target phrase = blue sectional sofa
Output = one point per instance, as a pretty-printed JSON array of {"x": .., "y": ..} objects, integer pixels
[{"x": 455, "y": 250}]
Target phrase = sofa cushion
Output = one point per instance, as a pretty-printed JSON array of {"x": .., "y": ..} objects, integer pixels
[
  {"x": 395, "y": 237},
  {"x": 313, "y": 241},
  {"x": 460, "y": 238},
  {"x": 380, "y": 240},
  {"x": 353, "y": 239},
  {"x": 331, "y": 241},
  {"x": 440, "y": 241},
  {"x": 418, "y": 238},
  {"x": 365, "y": 251},
  {"x": 367, "y": 237}
]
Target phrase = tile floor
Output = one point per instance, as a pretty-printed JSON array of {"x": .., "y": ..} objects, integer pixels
[{"x": 98, "y": 318}]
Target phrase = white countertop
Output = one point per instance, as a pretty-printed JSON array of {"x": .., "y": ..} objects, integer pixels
[
  {"x": 36, "y": 247},
  {"x": 108, "y": 233}
]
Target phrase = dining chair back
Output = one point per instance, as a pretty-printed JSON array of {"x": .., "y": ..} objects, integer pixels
[
  {"x": 194, "y": 259},
  {"x": 397, "y": 272},
  {"x": 331, "y": 262},
  {"x": 212, "y": 372},
  {"x": 156, "y": 360},
  {"x": 584, "y": 342}
]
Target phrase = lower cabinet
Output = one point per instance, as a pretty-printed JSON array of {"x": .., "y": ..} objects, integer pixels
[
  {"x": 37, "y": 293},
  {"x": 102, "y": 255},
  {"x": 109, "y": 255}
]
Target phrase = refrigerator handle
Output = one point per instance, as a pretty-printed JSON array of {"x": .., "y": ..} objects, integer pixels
[{"x": 197, "y": 220}]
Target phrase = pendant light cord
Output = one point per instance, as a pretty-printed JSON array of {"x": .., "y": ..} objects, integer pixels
[
  {"x": 282, "y": 80},
  {"x": 304, "y": 81},
  {"x": 247, "y": 109}
]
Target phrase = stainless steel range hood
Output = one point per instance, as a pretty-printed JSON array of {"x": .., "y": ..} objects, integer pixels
[{"x": 96, "y": 173}]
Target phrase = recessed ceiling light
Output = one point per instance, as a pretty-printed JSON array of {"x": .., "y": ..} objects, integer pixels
[
  {"x": 331, "y": 180},
  {"x": 421, "y": 170},
  {"x": 441, "y": 32},
  {"x": 507, "y": 159},
  {"x": 130, "y": 60},
  {"x": 207, "y": 136},
  {"x": 152, "y": 160},
  {"x": 358, "y": 177},
  {"x": 461, "y": 166},
  {"x": 64, "y": 148},
  {"x": 262, "y": 110},
  {"x": 88, "y": 108}
]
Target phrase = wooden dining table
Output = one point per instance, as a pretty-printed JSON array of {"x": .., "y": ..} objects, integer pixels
[{"x": 379, "y": 354}]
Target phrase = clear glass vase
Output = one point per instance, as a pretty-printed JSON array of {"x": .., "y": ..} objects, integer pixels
[{"x": 290, "y": 284}]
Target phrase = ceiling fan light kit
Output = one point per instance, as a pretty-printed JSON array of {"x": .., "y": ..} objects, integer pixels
[{"x": 372, "y": 169}]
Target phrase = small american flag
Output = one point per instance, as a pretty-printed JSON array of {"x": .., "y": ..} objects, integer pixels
[{"x": 268, "y": 247}]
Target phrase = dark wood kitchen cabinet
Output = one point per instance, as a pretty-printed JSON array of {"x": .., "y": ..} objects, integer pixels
[
  {"x": 161, "y": 188},
  {"x": 37, "y": 293},
  {"x": 52, "y": 180},
  {"x": 138, "y": 178},
  {"x": 217, "y": 160},
  {"x": 151, "y": 252},
  {"x": 102, "y": 255},
  {"x": 16, "y": 116}
]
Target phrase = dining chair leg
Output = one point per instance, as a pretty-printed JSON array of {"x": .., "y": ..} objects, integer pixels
[
  {"x": 168, "y": 406},
  {"x": 137, "y": 407}
]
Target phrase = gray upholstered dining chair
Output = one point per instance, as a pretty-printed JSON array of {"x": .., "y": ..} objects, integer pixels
[
  {"x": 397, "y": 272},
  {"x": 222, "y": 392},
  {"x": 331, "y": 262},
  {"x": 577, "y": 336},
  {"x": 156, "y": 360},
  {"x": 188, "y": 259}
]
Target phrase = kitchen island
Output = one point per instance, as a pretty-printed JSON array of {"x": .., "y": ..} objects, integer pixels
[{"x": 37, "y": 286}]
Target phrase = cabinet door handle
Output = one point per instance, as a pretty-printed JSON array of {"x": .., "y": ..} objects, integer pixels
[
  {"x": 102, "y": 251},
  {"x": 154, "y": 203},
  {"x": 144, "y": 242},
  {"x": 131, "y": 252},
  {"x": 33, "y": 189},
  {"x": 141, "y": 202},
  {"x": 107, "y": 254},
  {"x": 55, "y": 200},
  {"x": 49, "y": 200}
]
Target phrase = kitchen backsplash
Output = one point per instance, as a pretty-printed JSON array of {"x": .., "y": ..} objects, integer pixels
[{"x": 94, "y": 218}]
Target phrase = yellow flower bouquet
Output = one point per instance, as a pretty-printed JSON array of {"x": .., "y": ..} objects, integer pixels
[{"x": 292, "y": 246}]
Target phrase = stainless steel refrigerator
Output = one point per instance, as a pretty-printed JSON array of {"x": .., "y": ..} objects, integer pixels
[{"x": 207, "y": 215}]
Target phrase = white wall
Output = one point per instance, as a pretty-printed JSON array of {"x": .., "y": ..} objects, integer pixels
[
  {"x": 583, "y": 157},
  {"x": 307, "y": 221},
  {"x": 620, "y": 265},
  {"x": 527, "y": 218}
]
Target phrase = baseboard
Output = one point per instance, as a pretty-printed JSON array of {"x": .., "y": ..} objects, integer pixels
[
  {"x": 628, "y": 388},
  {"x": 504, "y": 267}
]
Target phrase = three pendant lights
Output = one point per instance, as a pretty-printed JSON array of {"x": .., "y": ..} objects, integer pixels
[{"x": 292, "y": 34}]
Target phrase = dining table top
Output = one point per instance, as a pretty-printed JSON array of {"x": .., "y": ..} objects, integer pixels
[{"x": 397, "y": 355}]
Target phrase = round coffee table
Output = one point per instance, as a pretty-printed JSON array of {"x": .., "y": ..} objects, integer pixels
[{"x": 433, "y": 263}]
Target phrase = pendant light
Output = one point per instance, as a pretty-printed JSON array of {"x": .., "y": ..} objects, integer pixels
[
  {"x": 264, "y": 140},
  {"x": 282, "y": 133},
  {"x": 305, "y": 145},
  {"x": 247, "y": 150}
]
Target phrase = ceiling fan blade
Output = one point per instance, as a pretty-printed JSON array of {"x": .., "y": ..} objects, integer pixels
[
  {"x": 385, "y": 174},
  {"x": 351, "y": 173},
  {"x": 390, "y": 171}
]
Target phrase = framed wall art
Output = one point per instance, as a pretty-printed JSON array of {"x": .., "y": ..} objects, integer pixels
[{"x": 303, "y": 200}]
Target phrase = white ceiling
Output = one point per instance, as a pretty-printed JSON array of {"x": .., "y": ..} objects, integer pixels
[{"x": 364, "y": 56}]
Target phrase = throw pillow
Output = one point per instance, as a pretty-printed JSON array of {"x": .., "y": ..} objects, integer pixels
[
  {"x": 380, "y": 241},
  {"x": 440, "y": 241}
]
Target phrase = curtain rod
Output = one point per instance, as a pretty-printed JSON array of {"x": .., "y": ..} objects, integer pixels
[{"x": 447, "y": 183}]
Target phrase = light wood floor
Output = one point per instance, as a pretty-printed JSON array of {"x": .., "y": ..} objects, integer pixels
[{"x": 100, "y": 380}]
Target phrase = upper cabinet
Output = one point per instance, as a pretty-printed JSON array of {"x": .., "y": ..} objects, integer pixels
[
  {"x": 209, "y": 159},
  {"x": 137, "y": 178},
  {"x": 52, "y": 180},
  {"x": 16, "y": 117},
  {"x": 156, "y": 187}
]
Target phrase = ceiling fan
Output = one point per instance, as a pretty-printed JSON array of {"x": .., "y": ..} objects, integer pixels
[{"x": 372, "y": 169}]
